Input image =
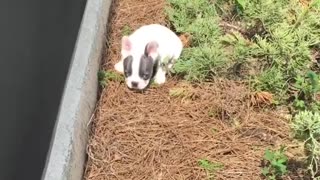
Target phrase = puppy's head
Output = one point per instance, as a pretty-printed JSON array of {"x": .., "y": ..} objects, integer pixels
[{"x": 139, "y": 67}]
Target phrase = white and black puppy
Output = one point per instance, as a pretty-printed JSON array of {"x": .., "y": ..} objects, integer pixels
[{"x": 143, "y": 54}]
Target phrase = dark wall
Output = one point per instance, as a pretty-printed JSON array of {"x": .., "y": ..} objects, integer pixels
[{"x": 37, "y": 38}]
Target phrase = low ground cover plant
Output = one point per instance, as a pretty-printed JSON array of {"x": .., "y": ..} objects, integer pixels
[{"x": 271, "y": 45}]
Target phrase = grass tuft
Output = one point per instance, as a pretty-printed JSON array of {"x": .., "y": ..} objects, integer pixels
[
  {"x": 204, "y": 57},
  {"x": 104, "y": 77}
]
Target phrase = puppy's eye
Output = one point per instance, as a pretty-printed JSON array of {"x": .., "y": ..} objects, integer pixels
[
  {"x": 145, "y": 76},
  {"x": 126, "y": 73}
]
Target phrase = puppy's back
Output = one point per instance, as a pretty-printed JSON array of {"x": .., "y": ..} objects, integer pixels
[{"x": 169, "y": 43}]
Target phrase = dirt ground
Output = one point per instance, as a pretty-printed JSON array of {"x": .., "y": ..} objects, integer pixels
[{"x": 157, "y": 135}]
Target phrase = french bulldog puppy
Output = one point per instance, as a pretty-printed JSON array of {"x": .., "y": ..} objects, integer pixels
[{"x": 143, "y": 55}]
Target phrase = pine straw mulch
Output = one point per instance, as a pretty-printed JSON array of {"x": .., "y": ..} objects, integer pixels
[{"x": 163, "y": 133}]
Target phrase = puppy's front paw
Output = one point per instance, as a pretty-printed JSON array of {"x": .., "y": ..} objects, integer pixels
[
  {"x": 160, "y": 78},
  {"x": 119, "y": 67}
]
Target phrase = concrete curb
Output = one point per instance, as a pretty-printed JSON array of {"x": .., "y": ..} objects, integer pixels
[{"x": 67, "y": 154}]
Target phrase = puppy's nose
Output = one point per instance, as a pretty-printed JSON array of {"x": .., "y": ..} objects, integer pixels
[{"x": 134, "y": 84}]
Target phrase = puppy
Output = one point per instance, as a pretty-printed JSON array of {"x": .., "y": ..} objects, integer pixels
[{"x": 143, "y": 55}]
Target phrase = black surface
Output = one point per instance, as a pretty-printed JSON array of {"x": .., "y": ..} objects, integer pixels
[{"x": 37, "y": 38}]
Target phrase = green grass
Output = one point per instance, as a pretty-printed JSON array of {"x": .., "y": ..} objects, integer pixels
[
  {"x": 308, "y": 86},
  {"x": 285, "y": 49},
  {"x": 283, "y": 52},
  {"x": 205, "y": 56},
  {"x": 273, "y": 42}
]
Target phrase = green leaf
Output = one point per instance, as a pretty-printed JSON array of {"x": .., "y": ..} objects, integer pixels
[
  {"x": 314, "y": 81},
  {"x": 268, "y": 155},
  {"x": 299, "y": 103},
  {"x": 273, "y": 177},
  {"x": 281, "y": 161},
  {"x": 242, "y": 3},
  {"x": 209, "y": 166},
  {"x": 274, "y": 162},
  {"x": 265, "y": 171},
  {"x": 316, "y": 4},
  {"x": 283, "y": 169}
]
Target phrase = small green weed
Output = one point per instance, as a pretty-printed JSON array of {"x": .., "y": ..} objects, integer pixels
[
  {"x": 276, "y": 165},
  {"x": 212, "y": 113},
  {"x": 126, "y": 30},
  {"x": 210, "y": 167},
  {"x": 307, "y": 87},
  {"x": 104, "y": 77},
  {"x": 214, "y": 130},
  {"x": 306, "y": 126}
]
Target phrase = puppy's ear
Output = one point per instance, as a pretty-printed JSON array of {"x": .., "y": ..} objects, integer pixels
[
  {"x": 126, "y": 44},
  {"x": 152, "y": 49}
]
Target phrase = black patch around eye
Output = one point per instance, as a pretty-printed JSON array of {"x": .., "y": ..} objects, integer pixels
[
  {"x": 127, "y": 66},
  {"x": 146, "y": 67}
]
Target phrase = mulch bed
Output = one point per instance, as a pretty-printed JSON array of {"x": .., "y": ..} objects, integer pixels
[{"x": 158, "y": 136}]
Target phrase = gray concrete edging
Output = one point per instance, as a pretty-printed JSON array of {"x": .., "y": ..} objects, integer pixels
[{"x": 66, "y": 157}]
